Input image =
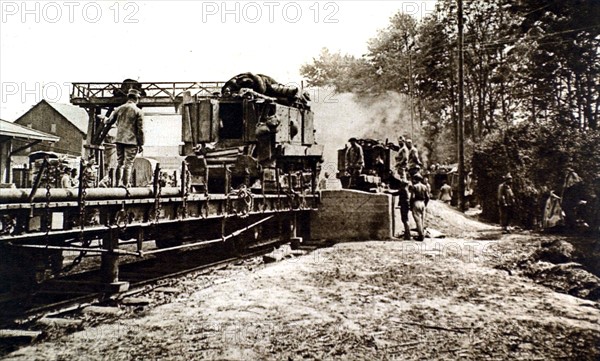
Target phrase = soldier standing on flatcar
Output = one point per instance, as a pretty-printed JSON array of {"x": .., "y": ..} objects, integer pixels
[
  {"x": 130, "y": 135},
  {"x": 65, "y": 180},
  {"x": 414, "y": 163},
  {"x": 355, "y": 161},
  {"x": 402, "y": 158}
]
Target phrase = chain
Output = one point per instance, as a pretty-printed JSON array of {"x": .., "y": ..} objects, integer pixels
[
  {"x": 204, "y": 210},
  {"x": 186, "y": 193},
  {"x": 294, "y": 197},
  {"x": 302, "y": 190},
  {"x": 9, "y": 225},
  {"x": 121, "y": 217},
  {"x": 263, "y": 207},
  {"x": 303, "y": 204},
  {"x": 48, "y": 216},
  {"x": 157, "y": 203},
  {"x": 225, "y": 213},
  {"x": 85, "y": 243},
  {"x": 244, "y": 193}
]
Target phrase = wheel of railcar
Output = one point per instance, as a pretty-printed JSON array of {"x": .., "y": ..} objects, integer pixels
[
  {"x": 241, "y": 243},
  {"x": 24, "y": 269},
  {"x": 55, "y": 261},
  {"x": 287, "y": 229}
]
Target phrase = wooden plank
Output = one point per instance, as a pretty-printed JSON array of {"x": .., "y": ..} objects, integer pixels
[
  {"x": 59, "y": 322},
  {"x": 99, "y": 310},
  {"x": 8, "y": 334},
  {"x": 136, "y": 301},
  {"x": 167, "y": 290}
]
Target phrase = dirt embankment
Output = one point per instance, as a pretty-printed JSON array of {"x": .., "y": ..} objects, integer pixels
[
  {"x": 437, "y": 300},
  {"x": 549, "y": 260},
  {"x": 565, "y": 264}
]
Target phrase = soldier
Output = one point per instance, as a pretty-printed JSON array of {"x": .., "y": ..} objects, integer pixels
[
  {"x": 506, "y": 202},
  {"x": 418, "y": 201},
  {"x": 130, "y": 135},
  {"x": 65, "y": 180},
  {"x": 402, "y": 158},
  {"x": 414, "y": 163},
  {"x": 355, "y": 161},
  {"x": 446, "y": 193},
  {"x": 404, "y": 205}
]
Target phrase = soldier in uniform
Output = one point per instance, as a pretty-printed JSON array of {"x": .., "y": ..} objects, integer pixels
[
  {"x": 404, "y": 205},
  {"x": 414, "y": 163},
  {"x": 65, "y": 180},
  {"x": 446, "y": 193},
  {"x": 402, "y": 158},
  {"x": 355, "y": 161},
  {"x": 506, "y": 202},
  {"x": 418, "y": 201},
  {"x": 130, "y": 135}
]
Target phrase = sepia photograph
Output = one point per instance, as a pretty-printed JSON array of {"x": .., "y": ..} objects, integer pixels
[{"x": 299, "y": 180}]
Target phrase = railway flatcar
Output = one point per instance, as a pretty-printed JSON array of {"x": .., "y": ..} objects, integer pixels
[{"x": 248, "y": 178}]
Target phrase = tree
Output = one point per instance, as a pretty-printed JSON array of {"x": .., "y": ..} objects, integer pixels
[{"x": 334, "y": 69}]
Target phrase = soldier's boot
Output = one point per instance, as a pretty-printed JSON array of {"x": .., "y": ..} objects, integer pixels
[
  {"x": 126, "y": 174},
  {"x": 118, "y": 173}
]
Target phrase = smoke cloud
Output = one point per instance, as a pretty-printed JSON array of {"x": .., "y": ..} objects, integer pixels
[{"x": 346, "y": 115}]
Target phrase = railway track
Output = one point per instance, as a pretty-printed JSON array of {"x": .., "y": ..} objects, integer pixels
[{"x": 67, "y": 296}]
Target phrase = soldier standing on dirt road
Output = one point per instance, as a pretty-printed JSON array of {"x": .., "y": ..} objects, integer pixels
[
  {"x": 506, "y": 203},
  {"x": 404, "y": 205},
  {"x": 446, "y": 193},
  {"x": 418, "y": 201}
]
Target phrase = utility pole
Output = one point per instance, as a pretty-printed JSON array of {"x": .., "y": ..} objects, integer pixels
[
  {"x": 410, "y": 93},
  {"x": 461, "y": 106},
  {"x": 409, "y": 47}
]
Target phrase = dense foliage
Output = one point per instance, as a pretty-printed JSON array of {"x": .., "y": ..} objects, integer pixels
[
  {"x": 532, "y": 84},
  {"x": 537, "y": 157}
]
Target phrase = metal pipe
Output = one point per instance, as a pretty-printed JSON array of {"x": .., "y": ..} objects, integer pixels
[
  {"x": 8, "y": 195},
  {"x": 59, "y": 248}
]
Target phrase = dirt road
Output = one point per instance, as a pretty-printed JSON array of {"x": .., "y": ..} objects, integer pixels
[{"x": 452, "y": 298}]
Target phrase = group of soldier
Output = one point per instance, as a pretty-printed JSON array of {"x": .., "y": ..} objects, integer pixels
[{"x": 414, "y": 191}]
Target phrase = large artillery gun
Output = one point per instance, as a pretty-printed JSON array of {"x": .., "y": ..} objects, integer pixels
[{"x": 249, "y": 176}]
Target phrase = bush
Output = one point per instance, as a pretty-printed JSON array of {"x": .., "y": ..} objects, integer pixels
[{"x": 537, "y": 157}]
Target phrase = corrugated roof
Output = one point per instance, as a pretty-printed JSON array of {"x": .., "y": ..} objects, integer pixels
[
  {"x": 76, "y": 115},
  {"x": 13, "y": 130}
]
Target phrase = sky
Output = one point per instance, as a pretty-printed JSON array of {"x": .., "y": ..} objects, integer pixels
[{"x": 46, "y": 45}]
